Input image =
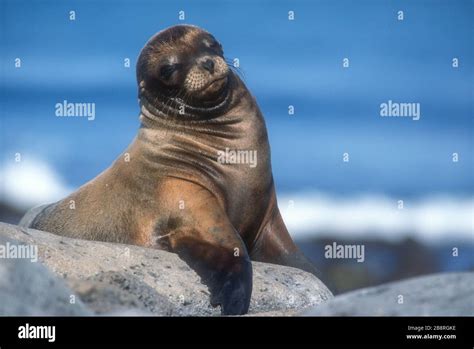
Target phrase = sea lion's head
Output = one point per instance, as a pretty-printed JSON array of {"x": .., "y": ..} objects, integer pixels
[{"x": 183, "y": 67}]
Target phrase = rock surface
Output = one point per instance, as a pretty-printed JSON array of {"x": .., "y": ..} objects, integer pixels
[
  {"x": 28, "y": 288},
  {"x": 123, "y": 279},
  {"x": 448, "y": 294}
]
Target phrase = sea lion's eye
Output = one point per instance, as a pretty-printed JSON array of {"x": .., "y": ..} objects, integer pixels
[{"x": 167, "y": 70}]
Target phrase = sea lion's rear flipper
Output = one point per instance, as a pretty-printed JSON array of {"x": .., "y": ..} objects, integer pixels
[
  {"x": 204, "y": 238},
  {"x": 274, "y": 245},
  {"x": 31, "y": 215}
]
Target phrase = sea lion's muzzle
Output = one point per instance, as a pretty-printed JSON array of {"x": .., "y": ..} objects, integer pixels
[{"x": 208, "y": 75}]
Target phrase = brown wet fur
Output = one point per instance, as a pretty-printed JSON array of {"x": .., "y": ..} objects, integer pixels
[{"x": 173, "y": 194}]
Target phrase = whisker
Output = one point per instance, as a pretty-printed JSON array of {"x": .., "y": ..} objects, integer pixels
[{"x": 239, "y": 71}]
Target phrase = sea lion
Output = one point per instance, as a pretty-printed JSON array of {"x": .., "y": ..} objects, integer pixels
[{"x": 185, "y": 183}]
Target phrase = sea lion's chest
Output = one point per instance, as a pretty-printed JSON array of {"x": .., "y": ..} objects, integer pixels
[
  {"x": 245, "y": 176},
  {"x": 229, "y": 159}
]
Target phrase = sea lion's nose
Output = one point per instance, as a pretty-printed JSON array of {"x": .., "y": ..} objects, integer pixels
[{"x": 208, "y": 64}]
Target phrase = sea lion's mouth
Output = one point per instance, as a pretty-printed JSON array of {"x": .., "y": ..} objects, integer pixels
[
  {"x": 211, "y": 93},
  {"x": 215, "y": 83}
]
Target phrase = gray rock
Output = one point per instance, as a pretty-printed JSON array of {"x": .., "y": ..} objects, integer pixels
[
  {"x": 28, "y": 288},
  {"x": 123, "y": 279},
  {"x": 447, "y": 294},
  {"x": 118, "y": 292}
]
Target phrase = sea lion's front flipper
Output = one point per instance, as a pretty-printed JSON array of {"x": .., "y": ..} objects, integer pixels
[
  {"x": 228, "y": 277},
  {"x": 201, "y": 234}
]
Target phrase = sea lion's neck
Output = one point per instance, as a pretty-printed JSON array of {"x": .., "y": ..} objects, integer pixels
[
  {"x": 193, "y": 148},
  {"x": 163, "y": 139},
  {"x": 237, "y": 124}
]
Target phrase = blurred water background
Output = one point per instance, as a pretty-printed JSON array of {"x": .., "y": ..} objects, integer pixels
[{"x": 299, "y": 63}]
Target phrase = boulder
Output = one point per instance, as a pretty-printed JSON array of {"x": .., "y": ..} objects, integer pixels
[
  {"x": 27, "y": 288},
  {"x": 446, "y": 294},
  {"x": 112, "y": 278}
]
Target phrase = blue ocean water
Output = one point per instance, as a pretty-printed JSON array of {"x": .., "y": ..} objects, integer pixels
[{"x": 283, "y": 63}]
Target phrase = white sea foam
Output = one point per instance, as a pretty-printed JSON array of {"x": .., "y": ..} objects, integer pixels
[
  {"x": 430, "y": 219},
  {"x": 29, "y": 183}
]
